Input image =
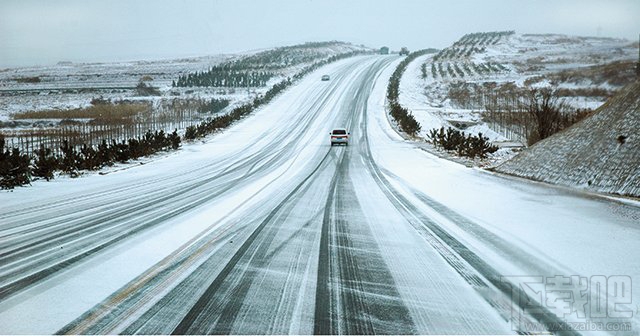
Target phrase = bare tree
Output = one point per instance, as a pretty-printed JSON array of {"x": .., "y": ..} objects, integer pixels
[{"x": 546, "y": 112}]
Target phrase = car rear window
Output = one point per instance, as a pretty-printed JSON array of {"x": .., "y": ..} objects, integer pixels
[{"x": 339, "y": 132}]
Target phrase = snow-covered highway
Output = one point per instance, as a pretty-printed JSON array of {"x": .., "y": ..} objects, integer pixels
[{"x": 267, "y": 229}]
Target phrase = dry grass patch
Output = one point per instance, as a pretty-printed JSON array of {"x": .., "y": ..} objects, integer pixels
[{"x": 101, "y": 112}]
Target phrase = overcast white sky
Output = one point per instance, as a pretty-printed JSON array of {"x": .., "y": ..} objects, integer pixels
[{"x": 41, "y": 32}]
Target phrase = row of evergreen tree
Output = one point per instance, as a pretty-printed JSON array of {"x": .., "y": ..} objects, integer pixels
[
  {"x": 224, "y": 76},
  {"x": 284, "y": 57},
  {"x": 17, "y": 168},
  {"x": 213, "y": 105},
  {"x": 401, "y": 115},
  {"x": 257, "y": 69}
]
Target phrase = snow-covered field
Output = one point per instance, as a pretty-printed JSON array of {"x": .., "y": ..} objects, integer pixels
[
  {"x": 69, "y": 86},
  {"x": 74, "y": 85}
]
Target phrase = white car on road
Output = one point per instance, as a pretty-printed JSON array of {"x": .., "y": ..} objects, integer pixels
[{"x": 339, "y": 136}]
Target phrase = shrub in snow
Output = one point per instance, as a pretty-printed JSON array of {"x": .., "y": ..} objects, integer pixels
[
  {"x": 14, "y": 167},
  {"x": 92, "y": 158},
  {"x": 123, "y": 153},
  {"x": 454, "y": 140},
  {"x": 190, "y": 133},
  {"x": 70, "y": 158},
  {"x": 478, "y": 146},
  {"x": 45, "y": 163},
  {"x": 106, "y": 154},
  {"x": 88, "y": 159},
  {"x": 174, "y": 139},
  {"x": 405, "y": 119},
  {"x": 144, "y": 89}
]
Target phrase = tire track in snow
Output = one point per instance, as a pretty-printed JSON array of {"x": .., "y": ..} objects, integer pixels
[
  {"x": 148, "y": 322},
  {"x": 32, "y": 257},
  {"x": 206, "y": 309},
  {"x": 206, "y": 316},
  {"x": 44, "y": 258},
  {"x": 228, "y": 164},
  {"x": 478, "y": 273},
  {"x": 157, "y": 282},
  {"x": 355, "y": 293}
]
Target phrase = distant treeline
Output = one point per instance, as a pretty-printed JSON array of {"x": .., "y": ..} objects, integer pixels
[
  {"x": 225, "y": 76},
  {"x": 257, "y": 69}
]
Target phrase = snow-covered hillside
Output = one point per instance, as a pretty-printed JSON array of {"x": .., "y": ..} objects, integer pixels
[
  {"x": 453, "y": 87},
  {"x": 601, "y": 153}
]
